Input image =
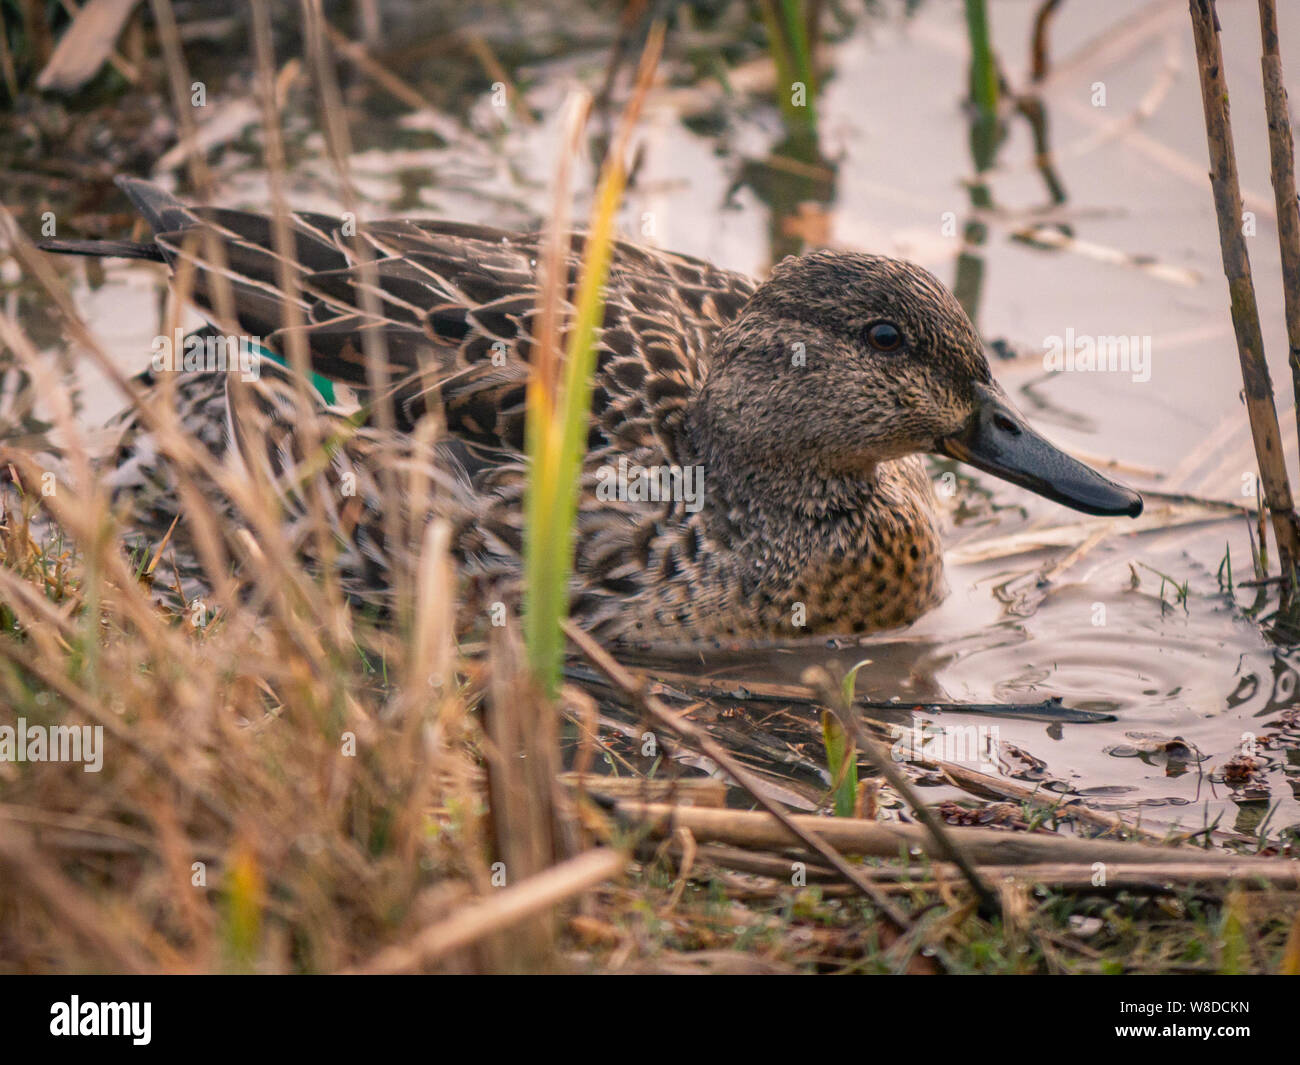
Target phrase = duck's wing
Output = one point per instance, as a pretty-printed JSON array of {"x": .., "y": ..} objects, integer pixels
[
  {"x": 472, "y": 292},
  {"x": 450, "y": 307}
]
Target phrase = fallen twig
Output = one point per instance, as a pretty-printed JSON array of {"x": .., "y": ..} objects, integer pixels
[
  {"x": 1059, "y": 876},
  {"x": 973, "y": 780},
  {"x": 984, "y": 846}
]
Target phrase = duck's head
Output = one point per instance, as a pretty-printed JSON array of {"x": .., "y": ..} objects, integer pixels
[{"x": 841, "y": 361}]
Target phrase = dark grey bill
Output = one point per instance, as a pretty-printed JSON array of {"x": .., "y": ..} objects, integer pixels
[{"x": 998, "y": 441}]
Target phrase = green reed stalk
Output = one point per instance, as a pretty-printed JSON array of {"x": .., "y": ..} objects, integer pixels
[
  {"x": 556, "y": 425},
  {"x": 556, "y": 446}
]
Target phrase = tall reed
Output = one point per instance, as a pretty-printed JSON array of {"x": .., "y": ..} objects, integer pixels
[{"x": 559, "y": 406}]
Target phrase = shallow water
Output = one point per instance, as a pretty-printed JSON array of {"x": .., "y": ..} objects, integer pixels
[{"x": 719, "y": 179}]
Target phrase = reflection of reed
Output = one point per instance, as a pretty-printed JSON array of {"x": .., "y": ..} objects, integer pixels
[
  {"x": 798, "y": 185},
  {"x": 792, "y": 32},
  {"x": 986, "y": 135},
  {"x": 989, "y": 90},
  {"x": 796, "y": 181}
]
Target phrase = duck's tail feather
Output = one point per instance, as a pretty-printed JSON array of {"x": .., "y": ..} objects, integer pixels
[
  {"x": 106, "y": 249},
  {"x": 163, "y": 211},
  {"x": 160, "y": 209}
]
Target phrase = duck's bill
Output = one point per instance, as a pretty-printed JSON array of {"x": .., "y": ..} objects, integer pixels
[{"x": 998, "y": 441}]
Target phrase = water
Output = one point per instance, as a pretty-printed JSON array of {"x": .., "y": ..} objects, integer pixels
[{"x": 718, "y": 177}]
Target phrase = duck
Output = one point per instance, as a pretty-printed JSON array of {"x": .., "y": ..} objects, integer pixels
[{"x": 755, "y": 465}]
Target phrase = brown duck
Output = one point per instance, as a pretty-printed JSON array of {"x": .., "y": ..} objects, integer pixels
[{"x": 785, "y": 422}]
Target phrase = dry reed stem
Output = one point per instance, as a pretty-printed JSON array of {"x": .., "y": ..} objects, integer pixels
[
  {"x": 879, "y": 839},
  {"x": 523, "y": 772},
  {"x": 1281, "y": 147},
  {"x": 552, "y": 290},
  {"x": 539, "y": 894},
  {"x": 378, "y": 73},
  {"x": 338, "y": 143},
  {"x": 1236, "y": 267},
  {"x": 292, "y": 316},
  {"x": 7, "y": 67},
  {"x": 1060, "y": 877}
]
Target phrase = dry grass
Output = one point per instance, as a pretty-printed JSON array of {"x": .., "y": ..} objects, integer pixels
[
  {"x": 285, "y": 784},
  {"x": 282, "y": 789}
]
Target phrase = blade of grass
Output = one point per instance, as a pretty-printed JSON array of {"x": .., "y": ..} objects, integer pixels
[{"x": 842, "y": 760}]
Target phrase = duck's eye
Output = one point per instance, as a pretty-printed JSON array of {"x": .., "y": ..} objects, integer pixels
[{"x": 884, "y": 336}]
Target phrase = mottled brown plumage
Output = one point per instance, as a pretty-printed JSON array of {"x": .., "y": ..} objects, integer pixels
[{"x": 806, "y": 402}]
